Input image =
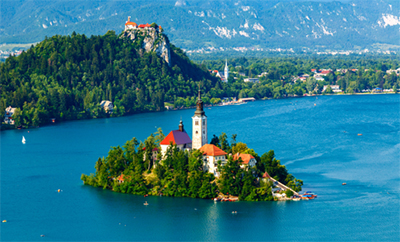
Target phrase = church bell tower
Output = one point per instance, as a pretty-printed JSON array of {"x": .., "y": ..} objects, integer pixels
[{"x": 199, "y": 126}]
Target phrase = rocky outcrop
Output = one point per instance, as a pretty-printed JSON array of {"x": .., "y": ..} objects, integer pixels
[{"x": 153, "y": 40}]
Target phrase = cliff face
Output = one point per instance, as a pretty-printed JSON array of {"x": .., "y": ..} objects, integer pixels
[{"x": 153, "y": 40}]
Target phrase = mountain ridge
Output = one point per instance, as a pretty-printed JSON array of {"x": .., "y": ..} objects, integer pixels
[{"x": 197, "y": 24}]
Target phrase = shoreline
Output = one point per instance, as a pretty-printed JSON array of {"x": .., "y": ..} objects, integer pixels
[{"x": 5, "y": 127}]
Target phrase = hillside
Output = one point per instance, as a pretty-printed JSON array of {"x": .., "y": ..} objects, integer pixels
[
  {"x": 319, "y": 25},
  {"x": 67, "y": 77}
]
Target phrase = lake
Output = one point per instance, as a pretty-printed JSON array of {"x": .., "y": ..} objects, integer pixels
[{"x": 316, "y": 138}]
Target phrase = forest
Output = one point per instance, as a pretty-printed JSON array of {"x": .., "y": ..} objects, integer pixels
[
  {"x": 66, "y": 77},
  {"x": 180, "y": 173}
]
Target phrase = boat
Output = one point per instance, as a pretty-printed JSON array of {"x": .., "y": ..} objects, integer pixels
[
  {"x": 359, "y": 134},
  {"x": 145, "y": 203},
  {"x": 23, "y": 140},
  {"x": 344, "y": 183},
  {"x": 4, "y": 221},
  {"x": 296, "y": 199}
]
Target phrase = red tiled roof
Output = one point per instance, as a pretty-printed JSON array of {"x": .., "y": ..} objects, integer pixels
[
  {"x": 266, "y": 175},
  {"x": 325, "y": 72},
  {"x": 144, "y": 25},
  {"x": 121, "y": 177},
  {"x": 176, "y": 137},
  {"x": 130, "y": 23},
  {"x": 212, "y": 150},
  {"x": 155, "y": 149},
  {"x": 245, "y": 157}
]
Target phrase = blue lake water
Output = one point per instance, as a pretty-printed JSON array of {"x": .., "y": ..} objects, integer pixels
[{"x": 318, "y": 144}]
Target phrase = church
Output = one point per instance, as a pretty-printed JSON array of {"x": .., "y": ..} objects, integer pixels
[{"x": 211, "y": 153}]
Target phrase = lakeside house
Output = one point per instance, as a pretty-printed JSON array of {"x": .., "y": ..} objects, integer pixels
[
  {"x": 335, "y": 88},
  {"x": 211, "y": 156},
  {"x": 107, "y": 106},
  {"x": 247, "y": 160},
  {"x": 9, "y": 112},
  {"x": 247, "y": 99}
]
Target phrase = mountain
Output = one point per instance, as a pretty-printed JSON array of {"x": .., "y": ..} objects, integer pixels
[{"x": 214, "y": 23}]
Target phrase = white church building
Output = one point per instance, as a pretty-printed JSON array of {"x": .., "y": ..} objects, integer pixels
[{"x": 211, "y": 153}]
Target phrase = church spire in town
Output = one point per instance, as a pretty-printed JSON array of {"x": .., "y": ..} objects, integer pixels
[{"x": 226, "y": 71}]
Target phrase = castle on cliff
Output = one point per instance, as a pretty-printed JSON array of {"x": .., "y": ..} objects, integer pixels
[{"x": 132, "y": 25}]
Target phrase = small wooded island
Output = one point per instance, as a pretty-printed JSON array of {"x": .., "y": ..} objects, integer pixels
[{"x": 177, "y": 166}]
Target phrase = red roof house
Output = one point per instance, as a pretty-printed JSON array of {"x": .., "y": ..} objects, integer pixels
[
  {"x": 121, "y": 178},
  {"x": 212, "y": 150},
  {"x": 247, "y": 159},
  {"x": 266, "y": 175}
]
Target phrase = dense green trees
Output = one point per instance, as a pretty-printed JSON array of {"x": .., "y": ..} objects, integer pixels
[
  {"x": 66, "y": 77},
  {"x": 181, "y": 173},
  {"x": 364, "y": 73}
]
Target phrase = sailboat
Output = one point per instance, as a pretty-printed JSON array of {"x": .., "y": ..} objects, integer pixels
[{"x": 23, "y": 140}]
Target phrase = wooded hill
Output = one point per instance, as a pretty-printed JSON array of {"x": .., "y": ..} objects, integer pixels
[{"x": 66, "y": 77}]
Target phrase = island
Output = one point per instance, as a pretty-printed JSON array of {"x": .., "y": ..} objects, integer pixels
[{"x": 176, "y": 165}]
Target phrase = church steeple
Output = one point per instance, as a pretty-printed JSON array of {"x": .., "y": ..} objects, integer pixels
[
  {"x": 226, "y": 71},
  {"x": 199, "y": 105},
  {"x": 199, "y": 125}
]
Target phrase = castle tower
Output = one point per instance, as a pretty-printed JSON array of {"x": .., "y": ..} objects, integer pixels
[
  {"x": 226, "y": 74},
  {"x": 199, "y": 126}
]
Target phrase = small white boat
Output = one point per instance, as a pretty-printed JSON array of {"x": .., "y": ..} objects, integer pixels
[
  {"x": 23, "y": 140},
  {"x": 145, "y": 203}
]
